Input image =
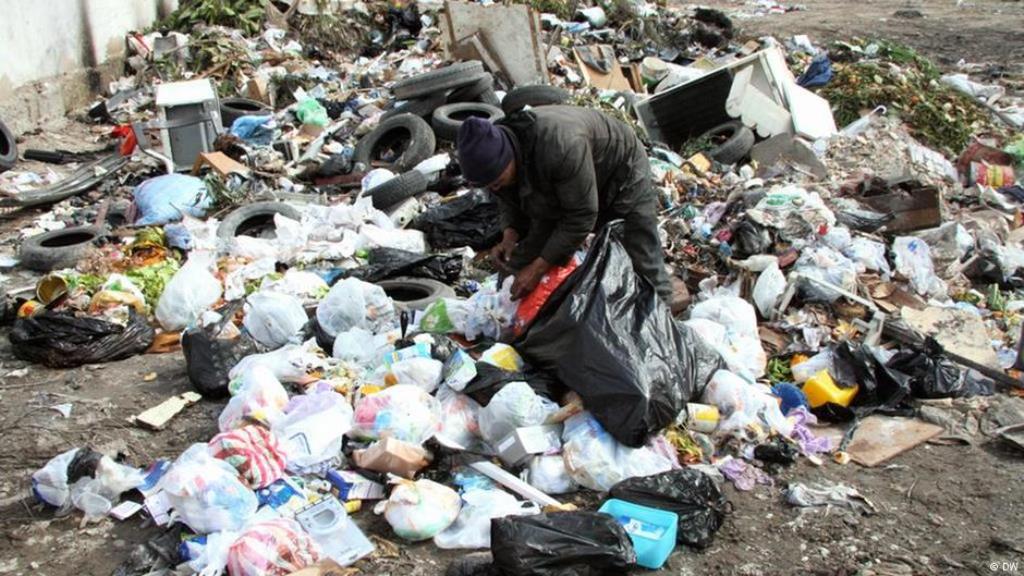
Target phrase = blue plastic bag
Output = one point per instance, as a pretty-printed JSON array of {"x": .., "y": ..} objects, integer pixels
[
  {"x": 165, "y": 199},
  {"x": 818, "y": 73},
  {"x": 255, "y": 130}
]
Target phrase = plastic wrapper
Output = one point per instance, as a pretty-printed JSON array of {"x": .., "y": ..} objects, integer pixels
[
  {"x": 460, "y": 426},
  {"x": 607, "y": 335},
  {"x": 561, "y": 543},
  {"x": 597, "y": 461},
  {"x": 254, "y": 451},
  {"x": 690, "y": 493},
  {"x": 312, "y": 429},
  {"x": 405, "y": 412},
  {"x": 420, "y": 510},
  {"x": 743, "y": 404},
  {"x": 913, "y": 261},
  {"x": 206, "y": 493},
  {"x": 166, "y": 198},
  {"x": 61, "y": 340},
  {"x": 471, "y": 219},
  {"x": 424, "y": 373},
  {"x": 353, "y": 303},
  {"x": 385, "y": 263},
  {"x": 193, "y": 290},
  {"x": 792, "y": 210},
  {"x": 824, "y": 263},
  {"x": 275, "y": 547},
  {"x": 728, "y": 324},
  {"x": 547, "y": 473},
  {"x": 258, "y": 398},
  {"x": 472, "y": 528},
  {"x": 514, "y": 406},
  {"x": 274, "y": 319},
  {"x": 530, "y": 306}
]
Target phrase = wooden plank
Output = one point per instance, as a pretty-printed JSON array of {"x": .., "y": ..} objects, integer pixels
[
  {"x": 879, "y": 438},
  {"x": 158, "y": 416},
  {"x": 511, "y": 33}
]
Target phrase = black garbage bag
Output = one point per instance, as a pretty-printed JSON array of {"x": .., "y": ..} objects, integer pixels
[
  {"x": 468, "y": 220},
  {"x": 60, "y": 340},
  {"x": 691, "y": 494},
  {"x": 933, "y": 375},
  {"x": 881, "y": 388},
  {"x": 612, "y": 340},
  {"x": 208, "y": 359},
  {"x": 561, "y": 544},
  {"x": 385, "y": 263},
  {"x": 490, "y": 379}
]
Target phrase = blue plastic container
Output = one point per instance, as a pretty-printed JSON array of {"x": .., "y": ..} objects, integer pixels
[{"x": 652, "y": 531}]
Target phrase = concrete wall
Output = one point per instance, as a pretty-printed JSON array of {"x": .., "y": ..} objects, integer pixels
[{"x": 56, "y": 54}]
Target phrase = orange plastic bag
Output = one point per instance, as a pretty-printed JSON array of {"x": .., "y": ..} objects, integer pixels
[{"x": 532, "y": 304}]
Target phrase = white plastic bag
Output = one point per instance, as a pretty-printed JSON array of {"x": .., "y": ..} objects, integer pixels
[
  {"x": 913, "y": 261},
  {"x": 424, "y": 373},
  {"x": 352, "y": 303},
  {"x": 420, "y": 510},
  {"x": 824, "y": 263},
  {"x": 729, "y": 325},
  {"x": 206, "y": 493},
  {"x": 472, "y": 528},
  {"x": 292, "y": 363},
  {"x": 460, "y": 424},
  {"x": 50, "y": 483},
  {"x": 808, "y": 368},
  {"x": 274, "y": 319},
  {"x": 742, "y": 404},
  {"x": 404, "y": 412},
  {"x": 768, "y": 289},
  {"x": 304, "y": 285},
  {"x": 548, "y": 474},
  {"x": 193, "y": 290},
  {"x": 514, "y": 406},
  {"x": 258, "y": 397},
  {"x": 361, "y": 347},
  {"x": 596, "y": 461},
  {"x": 869, "y": 254},
  {"x": 312, "y": 429}
]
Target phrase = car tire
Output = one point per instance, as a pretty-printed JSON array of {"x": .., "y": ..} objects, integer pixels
[
  {"x": 58, "y": 248},
  {"x": 251, "y": 216},
  {"x": 8, "y": 149},
  {"x": 422, "y": 107},
  {"x": 448, "y": 118},
  {"x": 538, "y": 95},
  {"x": 421, "y": 144},
  {"x": 397, "y": 189},
  {"x": 733, "y": 142},
  {"x": 415, "y": 293},
  {"x": 472, "y": 92},
  {"x": 441, "y": 80},
  {"x": 232, "y": 109}
]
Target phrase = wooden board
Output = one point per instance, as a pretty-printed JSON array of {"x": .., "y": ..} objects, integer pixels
[
  {"x": 510, "y": 33},
  {"x": 879, "y": 438},
  {"x": 158, "y": 416}
]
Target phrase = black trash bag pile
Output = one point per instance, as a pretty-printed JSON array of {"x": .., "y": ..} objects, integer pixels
[
  {"x": 386, "y": 263},
  {"x": 607, "y": 335},
  {"x": 691, "y": 494},
  {"x": 208, "y": 358},
  {"x": 933, "y": 375},
  {"x": 881, "y": 388},
  {"x": 60, "y": 340},
  {"x": 469, "y": 220},
  {"x": 561, "y": 544}
]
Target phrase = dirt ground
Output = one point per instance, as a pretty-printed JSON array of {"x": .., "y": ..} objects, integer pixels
[{"x": 942, "y": 509}]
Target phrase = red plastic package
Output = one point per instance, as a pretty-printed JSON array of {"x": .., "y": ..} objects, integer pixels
[{"x": 531, "y": 305}]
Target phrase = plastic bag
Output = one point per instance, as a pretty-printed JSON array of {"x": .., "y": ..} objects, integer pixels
[
  {"x": 50, "y": 483},
  {"x": 460, "y": 425},
  {"x": 869, "y": 254},
  {"x": 424, "y": 373},
  {"x": 305, "y": 286},
  {"x": 60, "y": 340},
  {"x": 206, "y": 493},
  {"x": 254, "y": 451},
  {"x": 933, "y": 375},
  {"x": 405, "y": 412},
  {"x": 258, "y": 397},
  {"x": 353, "y": 303},
  {"x": 292, "y": 363},
  {"x": 768, "y": 289},
  {"x": 530, "y": 306},
  {"x": 193, "y": 290},
  {"x": 472, "y": 528},
  {"x": 743, "y": 404},
  {"x": 561, "y": 543},
  {"x": 824, "y": 263},
  {"x": 863, "y": 366},
  {"x": 548, "y": 474},
  {"x": 691, "y": 494},
  {"x": 488, "y": 313},
  {"x": 732, "y": 332},
  {"x": 597, "y": 461},
  {"x": 255, "y": 130},
  {"x": 913, "y": 261},
  {"x": 471, "y": 219},
  {"x": 311, "y": 112},
  {"x": 275, "y": 547},
  {"x": 167, "y": 198},
  {"x": 420, "y": 510},
  {"x": 312, "y": 429},
  {"x": 514, "y": 406},
  {"x": 609, "y": 337},
  {"x": 361, "y": 347},
  {"x": 385, "y": 263},
  {"x": 210, "y": 352},
  {"x": 808, "y": 368},
  {"x": 274, "y": 319}
]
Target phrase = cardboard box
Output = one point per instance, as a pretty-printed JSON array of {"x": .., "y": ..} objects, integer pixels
[
  {"x": 524, "y": 442},
  {"x": 394, "y": 456},
  {"x": 354, "y": 486}
]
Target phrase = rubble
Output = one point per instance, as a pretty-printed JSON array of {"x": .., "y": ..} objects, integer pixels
[{"x": 847, "y": 223}]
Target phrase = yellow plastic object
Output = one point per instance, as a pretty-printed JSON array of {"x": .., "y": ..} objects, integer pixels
[{"x": 821, "y": 389}]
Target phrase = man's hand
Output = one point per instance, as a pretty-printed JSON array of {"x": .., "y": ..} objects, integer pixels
[
  {"x": 528, "y": 278},
  {"x": 502, "y": 253}
]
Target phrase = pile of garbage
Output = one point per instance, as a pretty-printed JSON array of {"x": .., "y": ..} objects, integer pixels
[{"x": 293, "y": 224}]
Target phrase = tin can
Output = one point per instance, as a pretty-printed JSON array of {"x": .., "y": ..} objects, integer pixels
[{"x": 991, "y": 175}]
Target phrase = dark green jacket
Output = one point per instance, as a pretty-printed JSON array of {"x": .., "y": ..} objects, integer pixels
[{"x": 576, "y": 169}]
